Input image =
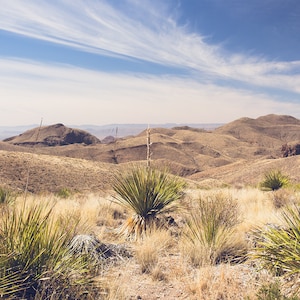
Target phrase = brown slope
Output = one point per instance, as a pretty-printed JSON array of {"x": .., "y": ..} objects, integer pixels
[
  {"x": 53, "y": 135},
  {"x": 267, "y": 131},
  {"x": 187, "y": 150},
  {"x": 52, "y": 173},
  {"x": 193, "y": 150},
  {"x": 201, "y": 156},
  {"x": 248, "y": 172}
]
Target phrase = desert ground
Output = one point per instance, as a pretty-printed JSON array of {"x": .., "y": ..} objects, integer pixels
[{"x": 227, "y": 164}]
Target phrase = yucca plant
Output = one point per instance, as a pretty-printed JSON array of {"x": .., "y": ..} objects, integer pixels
[
  {"x": 10, "y": 281},
  {"x": 274, "y": 180},
  {"x": 146, "y": 192},
  {"x": 34, "y": 251},
  {"x": 210, "y": 228},
  {"x": 278, "y": 248}
]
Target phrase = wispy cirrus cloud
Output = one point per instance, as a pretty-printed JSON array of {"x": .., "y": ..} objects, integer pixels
[
  {"x": 146, "y": 32},
  {"x": 73, "y": 95},
  {"x": 214, "y": 86}
]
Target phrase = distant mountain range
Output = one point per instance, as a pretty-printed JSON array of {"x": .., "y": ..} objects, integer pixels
[{"x": 102, "y": 131}]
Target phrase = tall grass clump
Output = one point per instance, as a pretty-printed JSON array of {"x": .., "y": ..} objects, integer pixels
[
  {"x": 278, "y": 248},
  {"x": 210, "y": 228},
  {"x": 274, "y": 180},
  {"x": 35, "y": 258},
  {"x": 146, "y": 192},
  {"x": 149, "y": 250}
]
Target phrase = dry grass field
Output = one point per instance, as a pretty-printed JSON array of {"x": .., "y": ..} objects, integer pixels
[
  {"x": 171, "y": 261},
  {"x": 162, "y": 265}
]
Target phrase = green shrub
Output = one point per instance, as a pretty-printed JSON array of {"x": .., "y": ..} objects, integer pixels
[
  {"x": 6, "y": 196},
  {"x": 272, "y": 291},
  {"x": 278, "y": 249},
  {"x": 274, "y": 180},
  {"x": 147, "y": 192},
  {"x": 210, "y": 228},
  {"x": 35, "y": 255},
  {"x": 64, "y": 193}
]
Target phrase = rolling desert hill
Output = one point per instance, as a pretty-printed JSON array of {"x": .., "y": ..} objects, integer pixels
[
  {"x": 237, "y": 153},
  {"x": 266, "y": 131},
  {"x": 54, "y": 135}
]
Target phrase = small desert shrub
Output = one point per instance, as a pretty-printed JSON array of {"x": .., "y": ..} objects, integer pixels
[
  {"x": 146, "y": 192},
  {"x": 6, "y": 196},
  {"x": 210, "y": 229},
  {"x": 64, "y": 193},
  {"x": 274, "y": 180},
  {"x": 278, "y": 248},
  {"x": 35, "y": 255},
  {"x": 272, "y": 291}
]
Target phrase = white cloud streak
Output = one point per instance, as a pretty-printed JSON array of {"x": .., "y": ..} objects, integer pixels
[
  {"x": 30, "y": 90},
  {"x": 144, "y": 31},
  {"x": 77, "y": 96}
]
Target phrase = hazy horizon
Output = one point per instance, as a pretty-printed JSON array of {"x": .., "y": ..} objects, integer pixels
[{"x": 102, "y": 131}]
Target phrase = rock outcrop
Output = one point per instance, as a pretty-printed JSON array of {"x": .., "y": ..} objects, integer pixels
[{"x": 290, "y": 150}]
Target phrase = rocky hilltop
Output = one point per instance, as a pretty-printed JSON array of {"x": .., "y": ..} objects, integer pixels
[{"x": 54, "y": 135}]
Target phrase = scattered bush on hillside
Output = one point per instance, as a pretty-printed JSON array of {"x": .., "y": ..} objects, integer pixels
[
  {"x": 147, "y": 192},
  {"x": 64, "y": 193},
  {"x": 278, "y": 248},
  {"x": 210, "y": 229},
  {"x": 274, "y": 180},
  {"x": 35, "y": 256}
]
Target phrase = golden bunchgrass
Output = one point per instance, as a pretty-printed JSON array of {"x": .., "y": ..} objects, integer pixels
[
  {"x": 159, "y": 263},
  {"x": 151, "y": 248},
  {"x": 222, "y": 282}
]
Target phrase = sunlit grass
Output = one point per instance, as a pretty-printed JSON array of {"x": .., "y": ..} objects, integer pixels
[
  {"x": 162, "y": 257},
  {"x": 34, "y": 251}
]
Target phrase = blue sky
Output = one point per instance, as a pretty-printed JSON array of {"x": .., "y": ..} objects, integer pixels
[{"x": 148, "y": 61}]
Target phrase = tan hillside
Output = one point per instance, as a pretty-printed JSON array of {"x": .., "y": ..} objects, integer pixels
[
  {"x": 236, "y": 153},
  {"x": 266, "y": 131},
  {"x": 46, "y": 173}
]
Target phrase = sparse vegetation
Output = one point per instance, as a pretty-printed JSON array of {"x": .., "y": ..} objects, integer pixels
[
  {"x": 159, "y": 257},
  {"x": 210, "y": 229},
  {"x": 150, "y": 249},
  {"x": 35, "y": 255},
  {"x": 64, "y": 244},
  {"x": 64, "y": 193},
  {"x": 274, "y": 180},
  {"x": 283, "y": 197},
  {"x": 147, "y": 192},
  {"x": 222, "y": 282},
  {"x": 272, "y": 291},
  {"x": 278, "y": 248},
  {"x": 6, "y": 196}
]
